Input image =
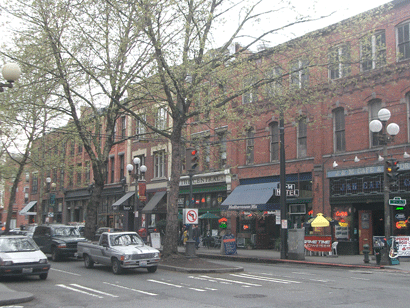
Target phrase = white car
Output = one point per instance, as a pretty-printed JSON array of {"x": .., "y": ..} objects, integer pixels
[{"x": 20, "y": 256}]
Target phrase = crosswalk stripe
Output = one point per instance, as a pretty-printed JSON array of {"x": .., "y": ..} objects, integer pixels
[
  {"x": 277, "y": 280},
  {"x": 126, "y": 288},
  {"x": 93, "y": 290},
  {"x": 175, "y": 285},
  {"x": 233, "y": 281},
  {"x": 76, "y": 290}
]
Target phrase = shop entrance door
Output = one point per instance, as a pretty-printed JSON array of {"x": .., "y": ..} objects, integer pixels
[{"x": 365, "y": 230}]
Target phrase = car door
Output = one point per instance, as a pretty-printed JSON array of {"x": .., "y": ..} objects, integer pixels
[
  {"x": 102, "y": 254},
  {"x": 40, "y": 238}
]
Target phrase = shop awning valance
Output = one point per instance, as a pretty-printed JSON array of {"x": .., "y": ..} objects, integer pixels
[
  {"x": 123, "y": 198},
  {"x": 248, "y": 195},
  {"x": 152, "y": 203},
  {"x": 27, "y": 208}
]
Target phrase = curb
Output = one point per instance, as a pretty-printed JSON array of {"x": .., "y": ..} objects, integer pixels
[
  {"x": 201, "y": 270},
  {"x": 12, "y": 297}
]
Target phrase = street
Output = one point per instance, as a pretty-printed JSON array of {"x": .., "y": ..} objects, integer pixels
[{"x": 70, "y": 284}]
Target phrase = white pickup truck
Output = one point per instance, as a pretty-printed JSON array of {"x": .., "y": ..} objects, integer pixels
[{"x": 120, "y": 250}]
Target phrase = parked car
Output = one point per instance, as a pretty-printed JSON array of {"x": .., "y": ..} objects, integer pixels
[
  {"x": 30, "y": 230},
  {"x": 102, "y": 230},
  {"x": 58, "y": 240},
  {"x": 120, "y": 250},
  {"x": 20, "y": 256}
]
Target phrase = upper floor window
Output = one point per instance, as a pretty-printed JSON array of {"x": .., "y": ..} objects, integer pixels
[
  {"x": 34, "y": 183},
  {"x": 274, "y": 141},
  {"x": 142, "y": 162},
  {"x": 72, "y": 148},
  {"x": 373, "y": 51},
  {"x": 374, "y": 106},
  {"x": 123, "y": 127},
  {"x": 339, "y": 130},
  {"x": 299, "y": 74},
  {"x": 79, "y": 149},
  {"x": 403, "y": 41},
  {"x": 122, "y": 174},
  {"x": 140, "y": 128},
  {"x": 161, "y": 118},
  {"x": 79, "y": 173},
  {"x": 87, "y": 171},
  {"x": 222, "y": 149},
  {"x": 250, "y": 95},
  {"x": 339, "y": 62},
  {"x": 159, "y": 164},
  {"x": 250, "y": 143},
  {"x": 112, "y": 161},
  {"x": 275, "y": 86},
  {"x": 206, "y": 153},
  {"x": 302, "y": 137}
]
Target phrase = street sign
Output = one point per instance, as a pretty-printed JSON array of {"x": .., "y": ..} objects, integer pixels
[
  {"x": 190, "y": 216},
  {"x": 397, "y": 201}
]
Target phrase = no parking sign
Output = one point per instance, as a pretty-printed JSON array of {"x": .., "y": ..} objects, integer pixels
[{"x": 190, "y": 216}]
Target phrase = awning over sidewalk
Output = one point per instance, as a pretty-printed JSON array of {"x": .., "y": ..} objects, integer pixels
[
  {"x": 250, "y": 197},
  {"x": 153, "y": 202},
  {"x": 123, "y": 198},
  {"x": 27, "y": 208}
]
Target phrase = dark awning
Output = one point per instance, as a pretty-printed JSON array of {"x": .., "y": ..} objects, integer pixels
[
  {"x": 250, "y": 197},
  {"x": 123, "y": 198},
  {"x": 27, "y": 208},
  {"x": 152, "y": 203}
]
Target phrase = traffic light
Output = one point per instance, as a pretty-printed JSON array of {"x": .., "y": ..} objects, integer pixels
[
  {"x": 392, "y": 167},
  {"x": 192, "y": 158}
]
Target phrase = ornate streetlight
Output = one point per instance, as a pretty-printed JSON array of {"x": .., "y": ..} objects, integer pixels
[
  {"x": 135, "y": 174},
  {"x": 386, "y": 135},
  {"x": 11, "y": 72}
]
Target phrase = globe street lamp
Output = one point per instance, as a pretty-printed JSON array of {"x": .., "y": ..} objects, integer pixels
[
  {"x": 11, "y": 72},
  {"x": 135, "y": 174},
  {"x": 386, "y": 134}
]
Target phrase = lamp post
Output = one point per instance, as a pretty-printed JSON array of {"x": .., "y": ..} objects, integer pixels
[
  {"x": 51, "y": 202},
  {"x": 11, "y": 72},
  {"x": 135, "y": 174},
  {"x": 386, "y": 135}
]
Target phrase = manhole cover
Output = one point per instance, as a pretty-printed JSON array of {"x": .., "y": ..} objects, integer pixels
[{"x": 250, "y": 296}]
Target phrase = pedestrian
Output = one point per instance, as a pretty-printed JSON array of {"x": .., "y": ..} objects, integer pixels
[
  {"x": 196, "y": 235},
  {"x": 185, "y": 235}
]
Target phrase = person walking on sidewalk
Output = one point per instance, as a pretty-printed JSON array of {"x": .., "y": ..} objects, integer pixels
[{"x": 195, "y": 235}]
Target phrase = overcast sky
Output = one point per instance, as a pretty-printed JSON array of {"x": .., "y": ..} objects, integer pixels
[{"x": 341, "y": 9}]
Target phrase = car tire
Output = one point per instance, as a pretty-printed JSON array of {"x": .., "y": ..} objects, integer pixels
[
  {"x": 116, "y": 267},
  {"x": 152, "y": 269},
  {"x": 43, "y": 276},
  {"x": 55, "y": 256},
  {"x": 88, "y": 262}
]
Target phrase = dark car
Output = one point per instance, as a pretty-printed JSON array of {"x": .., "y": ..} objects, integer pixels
[
  {"x": 102, "y": 230},
  {"x": 58, "y": 240}
]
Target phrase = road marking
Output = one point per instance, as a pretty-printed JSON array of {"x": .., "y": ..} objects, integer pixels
[
  {"x": 126, "y": 288},
  {"x": 277, "y": 280},
  {"x": 223, "y": 280},
  {"x": 357, "y": 278},
  {"x": 93, "y": 290},
  {"x": 80, "y": 291},
  {"x": 319, "y": 280},
  {"x": 175, "y": 285},
  {"x": 57, "y": 270}
]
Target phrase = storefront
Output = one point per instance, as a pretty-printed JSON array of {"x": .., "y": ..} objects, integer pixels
[
  {"x": 208, "y": 192},
  {"x": 357, "y": 202}
]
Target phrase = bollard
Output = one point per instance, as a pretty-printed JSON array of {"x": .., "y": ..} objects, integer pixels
[{"x": 366, "y": 251}]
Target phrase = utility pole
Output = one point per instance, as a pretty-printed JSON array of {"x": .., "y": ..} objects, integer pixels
[{"x": 283, "y": 207}]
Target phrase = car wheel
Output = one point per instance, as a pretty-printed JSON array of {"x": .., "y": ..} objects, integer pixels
[
  {"x": 116, "y": 267},
  {"x": 88, "y": 262},
  {"x": 55, "y": 256},
  {"x": 152, "y": 269},
  {"x": 43, "y": 276}
]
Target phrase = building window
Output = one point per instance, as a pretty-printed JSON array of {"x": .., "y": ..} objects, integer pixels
[
  {"x": 250, "y": 96},
  {"x": 222, "y": 149},
  {"x": 403, "y": 41},
  {"x": 142, "y": 162},
  {"x": 122, "y": 174},
  {"x": 80, "y": 149},
  {"x": 373, "y": 51},
  {"x": 274, "y": 141},
  {"x": 250, "y": 143},
  {"x": 275, "y": 87},
  {"x": 299, "y": 76},
  {"x": 79, "y": 174},
  {"x": 159, "y": 164},
  {"x": 123, "y": 127},
  {"x": 87, "y": 172},
  {"x": 34, "y": 184},
  {"x": 140, "y": 130},
  {"x": 27, "y": 177},
  {"x": 339, "y": 130},
  {"x": 62, "y": 178},
  {"x": 161, "y": 118},
  {"x": 374, "y": 106},
  {"x": 302, "y": 137},
  {"x": 71, "y": 175},
  {"x": 72, "y": 148},
  {"x": 112, "y": 161},
  {"x": 206, "y": 154},
  {"x": 339, "y": 62}
]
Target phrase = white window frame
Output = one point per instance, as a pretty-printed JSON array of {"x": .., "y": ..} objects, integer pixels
[
  {"x": 342, "y": 62},
  {"x": 299, "y": 73},
  {"x": 376, "y": 50},
  {"x": 159, "y": 164},
  {"x": 405, "y": 43}
]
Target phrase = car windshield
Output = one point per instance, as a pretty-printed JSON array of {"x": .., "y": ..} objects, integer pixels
[
  {"x": 66, "y": 232},
  {"x": 125, "y": 239},
  {"x": 17, "y": 244}
]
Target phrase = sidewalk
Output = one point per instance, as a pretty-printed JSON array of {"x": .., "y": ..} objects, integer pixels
[{"x": 273, "y": 256}]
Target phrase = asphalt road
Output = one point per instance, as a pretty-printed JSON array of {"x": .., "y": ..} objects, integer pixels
[{"x": 70, "y": 285}]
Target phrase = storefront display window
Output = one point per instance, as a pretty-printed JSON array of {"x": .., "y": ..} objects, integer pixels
[{"x": 343, "y": 215}]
